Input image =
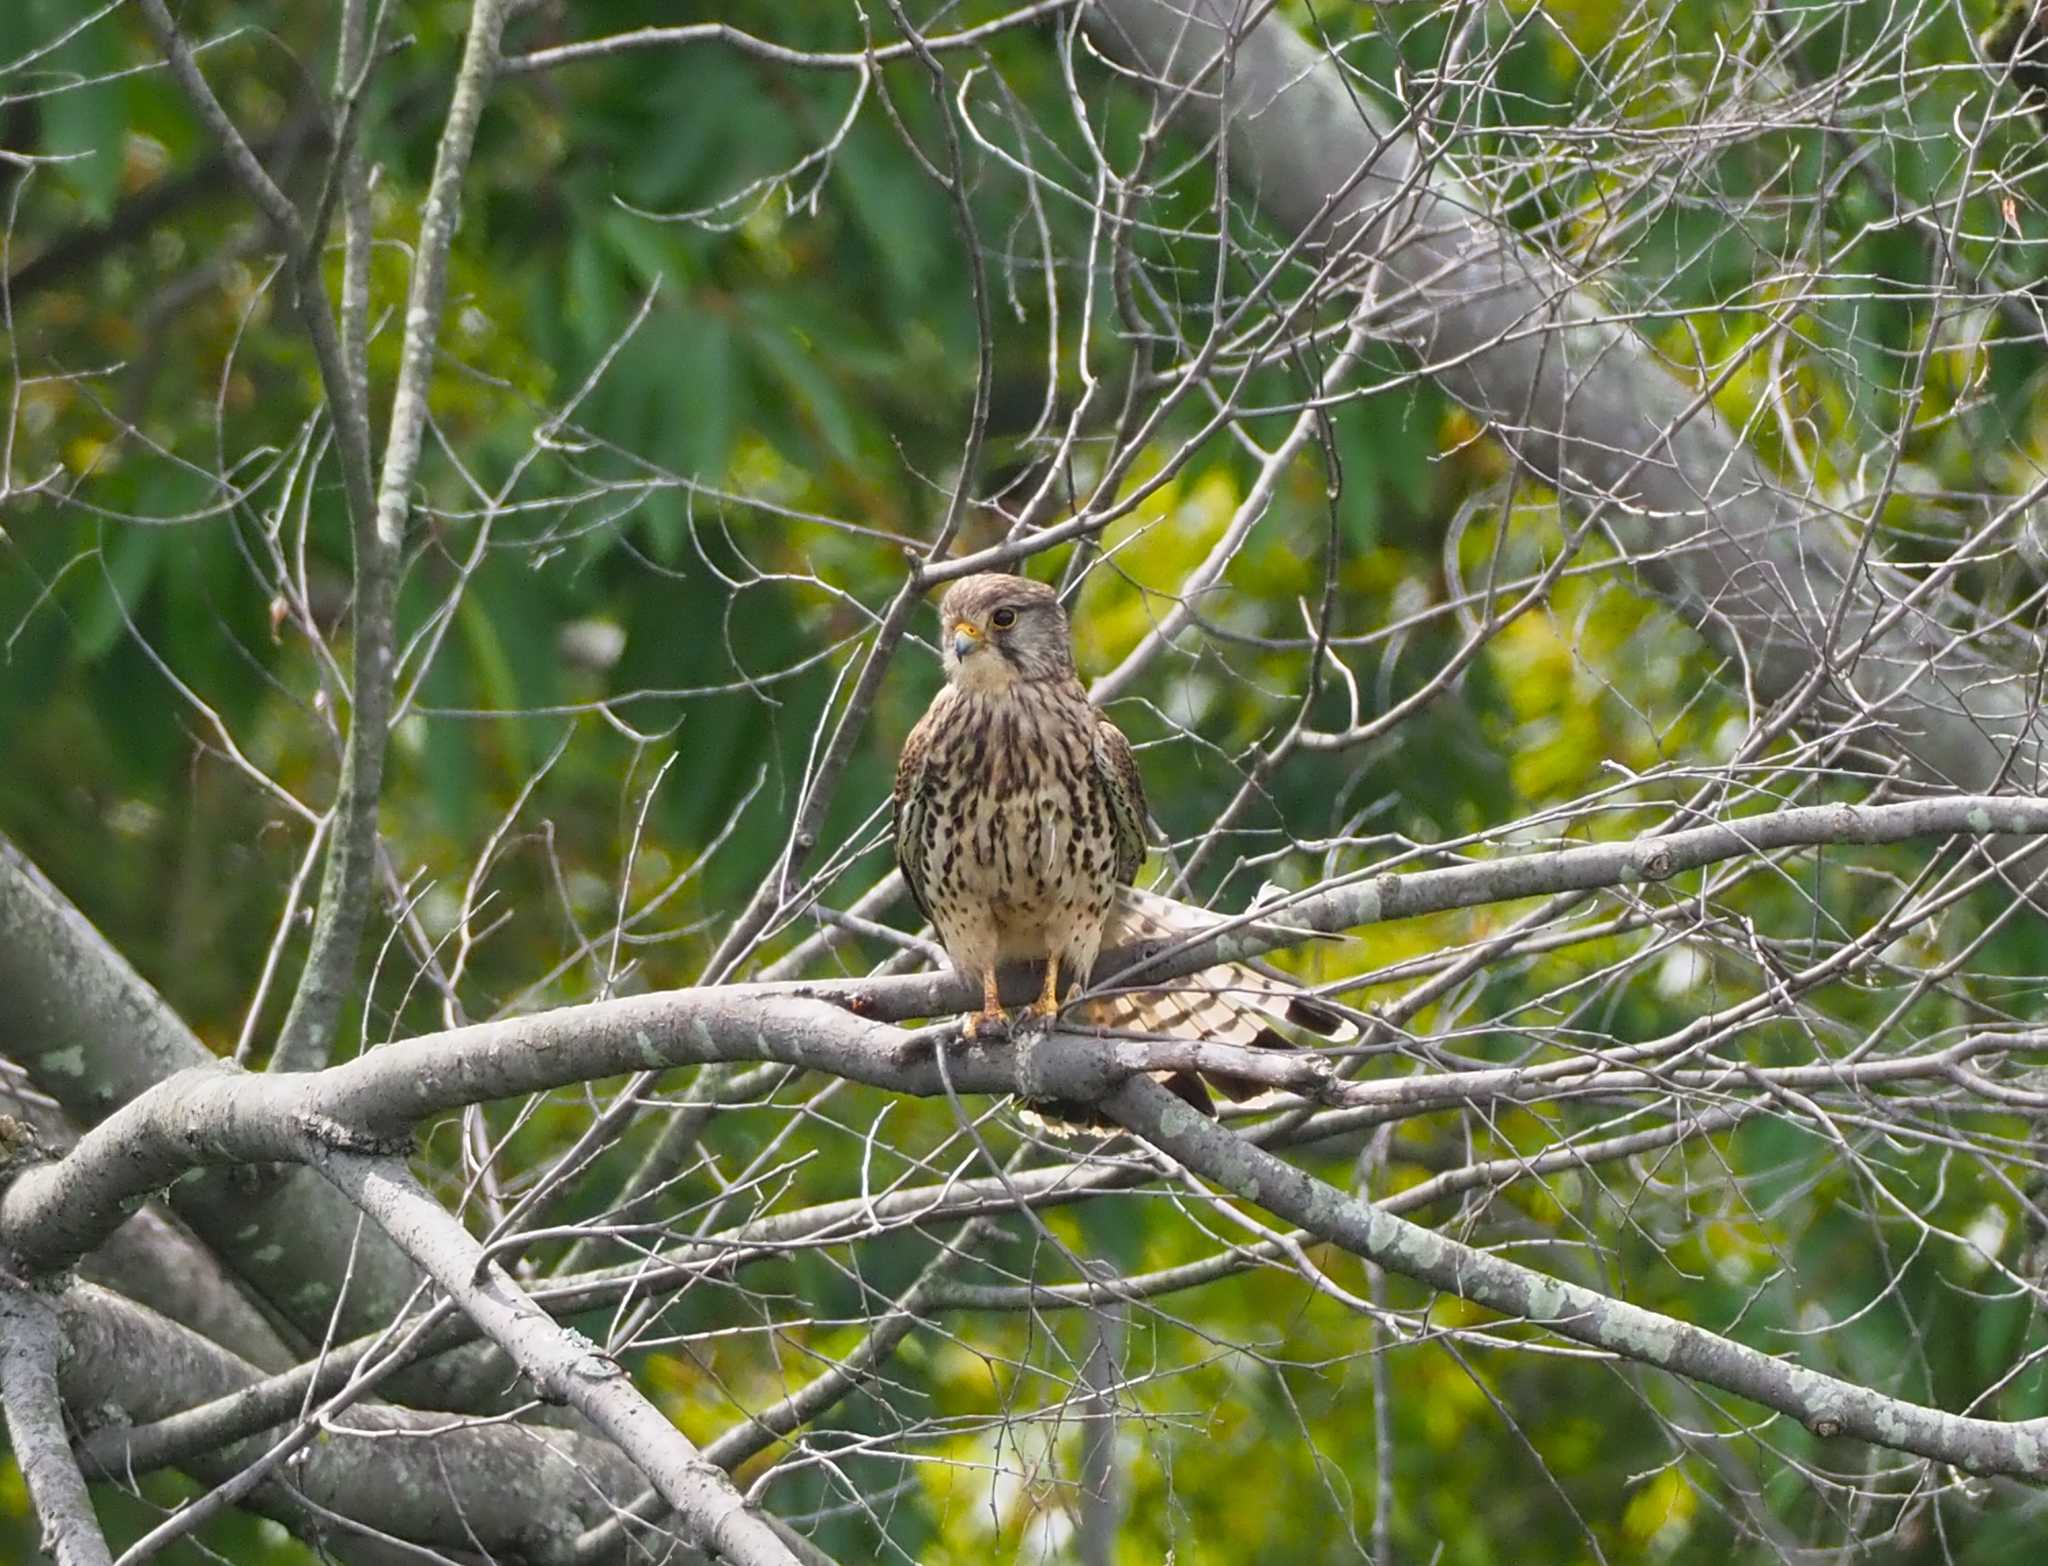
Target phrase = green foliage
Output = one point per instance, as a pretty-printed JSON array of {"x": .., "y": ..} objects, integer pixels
[{"x": 665, "y": 362}]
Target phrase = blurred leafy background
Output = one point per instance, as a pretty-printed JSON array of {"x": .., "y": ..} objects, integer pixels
[{"x": 746, "y": 350}]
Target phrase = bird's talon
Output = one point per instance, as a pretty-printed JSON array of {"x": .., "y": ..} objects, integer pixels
[
  {"x": 1041, "y": 1015},
  {"x": 986, "y": 1025}
]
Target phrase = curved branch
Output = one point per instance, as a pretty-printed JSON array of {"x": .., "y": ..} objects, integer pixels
[
  {"x": 1373, "y": 898},
  {"x": 1826, "y": 1405},
  {"x": 307, "y": 1035},
  {"x": 94, "y": 1035},
  {"x": 30, "y": 1342},
  {"x": 50, "y": 1215},
  {"x": 260, "y": 1405},
  {"x": 728, "y": 1253},
  {"x": 564, "y": 1366},
  {"x": 1576, "y": 395},
  {"x": 518, "y": 1490}
]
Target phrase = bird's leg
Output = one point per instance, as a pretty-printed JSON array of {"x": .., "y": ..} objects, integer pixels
[
  {"x": 991, "y": 1013},
  {"x": 1048, "y": 1002}
]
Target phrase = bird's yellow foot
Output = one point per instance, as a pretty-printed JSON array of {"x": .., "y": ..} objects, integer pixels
[
  {"x": 991, "y": 1020},
  {"x": 1047, "y": 1006}
]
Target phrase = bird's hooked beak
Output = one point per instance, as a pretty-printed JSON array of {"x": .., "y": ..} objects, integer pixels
[{"x": 966, "y": 638}]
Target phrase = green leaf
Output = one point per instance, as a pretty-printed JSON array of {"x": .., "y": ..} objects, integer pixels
[
  {"x": 793, "y": 360},
  {"x": 894, "y": 211},
  {"x": 86, "y": 123},
  {"x": 129, "y": 560},
  {"x": 707, "y": 404},
  {"x": 1359, "y": 499}
]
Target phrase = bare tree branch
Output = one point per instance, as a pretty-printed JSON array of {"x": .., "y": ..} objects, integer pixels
[
  {"x": 757, "y": 1432},
  {"x": 1825, "y": 1404},
  {"x": 451, "y": 1492},
  {"x": 562, "y": 1366},
  {"x": 1595, "y": 732},
  {"x": 31, "y": 1343},
  {"x": 1758, "y": 569},
  {"x": 775, "y": 54},
  {"x": 306, "y": 1037},
  {"x": 94, "y": 1035}
]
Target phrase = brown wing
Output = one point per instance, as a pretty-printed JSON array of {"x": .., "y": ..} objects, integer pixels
[
  {"x": 912, "y": 800},
  {"x": 1117, "y": 768}
]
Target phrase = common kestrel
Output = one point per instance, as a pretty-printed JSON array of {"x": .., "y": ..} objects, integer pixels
[{"x": 1020, "y": 823}]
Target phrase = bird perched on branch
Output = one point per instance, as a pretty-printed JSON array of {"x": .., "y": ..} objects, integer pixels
[{"x": 1020, "y": 825}]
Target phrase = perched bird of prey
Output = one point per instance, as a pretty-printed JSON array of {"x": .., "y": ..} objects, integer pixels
[{"x": 1020, "y": 823}]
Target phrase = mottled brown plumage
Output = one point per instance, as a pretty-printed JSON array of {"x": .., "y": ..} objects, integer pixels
[
  {"x": 1018, "y": 808},
  {"x": 1020, "y": 825}
]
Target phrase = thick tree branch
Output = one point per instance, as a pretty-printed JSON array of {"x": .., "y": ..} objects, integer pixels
[
  {"x": 53, "y": 1214},
  {"x": 730, "y": 1252},
  {"x": 218, "y": 1115},
  {"x": 563, "y": 1366},
  {"x": 726, "y": 1254},
  {"x": 349, "y": 876},
  {"x": 94, "y": 1035},
  {"x": 1577, "y": 396},
  {"x": 152, "y": 1258},
  {"x": 1826, "y": 1405},
  {"x": 522, "y": 1490},
  {"x": 259, "y": 1405},
  {"x": 31, "y": 1341},
  {"x": 56, "y": 1212}
]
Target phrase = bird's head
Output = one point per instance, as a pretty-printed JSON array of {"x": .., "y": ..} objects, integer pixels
[{"x": 996, "y": 630}]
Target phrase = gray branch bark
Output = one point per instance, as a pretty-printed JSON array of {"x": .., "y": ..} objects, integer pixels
[
  {"x": 563, "y": 1366},
  {"x": 51, "y": 1214},
  {"x": 447, "y": 1494},
  {"x": 1768, "y": 576},
  {"x": 307, "y": 1036},
  {"x": 214, "y": 1115},
  {"x": 93, "y": 1035},
  {"x": 31, "y": 1342},
  {"x": 1825, "y": 1404}
]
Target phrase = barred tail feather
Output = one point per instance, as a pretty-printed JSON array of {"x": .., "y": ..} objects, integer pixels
[{"x": 1231, "y": 1003}]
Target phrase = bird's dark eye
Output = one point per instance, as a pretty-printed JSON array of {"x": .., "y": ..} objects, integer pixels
[{"x": 1003, "y": 619}]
